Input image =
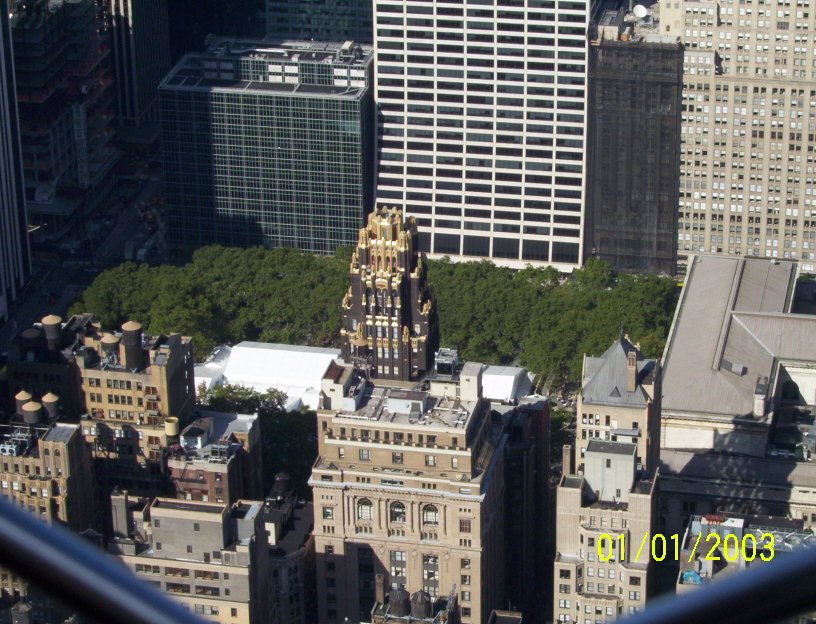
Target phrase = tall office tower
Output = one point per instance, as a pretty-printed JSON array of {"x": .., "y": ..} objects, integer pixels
[
  {"x": 14, "y": 259},
  {"x": 389, "y": 321},
  {"x": 620, "y": 401},
  {"x": 409, "y": 484},
  {"x": 483, "y": 126},
  {"x": 747, "y": 158},
  {"x": 213, "y": 558},
  {"x": 633, "y": 143},
  {"x": 603, "y": 579},
  {"x": 63, "y": 91},
  {"x": 320, "y": 20},
  {"x": 141, "y": 57},
  {"x": 269, "y": 144}
]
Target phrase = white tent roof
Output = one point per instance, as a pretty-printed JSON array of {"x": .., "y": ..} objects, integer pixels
[
  {"x": 292, "y": 369},
  {"x": 505, "y": 383}
]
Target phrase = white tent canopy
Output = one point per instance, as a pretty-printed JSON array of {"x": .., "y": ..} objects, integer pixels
[{"x": 292, "y": 369}]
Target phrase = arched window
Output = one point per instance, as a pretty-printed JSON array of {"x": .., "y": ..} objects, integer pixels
[
  {"x": 430, "y": 515},
  {"x": 397, "y": 512},
  {"x": 365, "y": 510}
]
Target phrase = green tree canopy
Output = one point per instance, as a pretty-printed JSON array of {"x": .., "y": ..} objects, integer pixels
[{"x": 533, "y": 317}]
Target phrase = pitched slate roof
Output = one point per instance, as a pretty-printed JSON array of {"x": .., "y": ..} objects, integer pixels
[{"x": 606, "y": 377}]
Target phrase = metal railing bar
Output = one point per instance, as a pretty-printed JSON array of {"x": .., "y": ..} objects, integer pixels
[
  {"x": 79, "y": 575},
  {"x": 767, "y": 592}
]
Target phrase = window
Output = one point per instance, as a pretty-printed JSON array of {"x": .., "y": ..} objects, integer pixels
[
  {"x": 328, "y": 513},
  {"x": 565, "y": 574},
  {"x": 634, "y": 580},
  {"x": 465, "y": 579},
  {"x": 156, "y": 523},
  {"x": 196, "y": 526},
  {"x": 365, "y": 455},
  {"x": 430, "y": 515},
  {"x": 634, "y": 595},
  {"x": 466, "y": 564},
  {"x": 430, "y": 460},
  {"x": 464, "y": 525},
  {"x": 364, "y": 509},
  {"x": 329, "y": 550},
  {"x": 397, "y": 512}
]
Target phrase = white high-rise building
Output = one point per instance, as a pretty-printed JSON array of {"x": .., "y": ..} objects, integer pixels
[
  {"x": 14, "y": 259},
  {"x": 748, "y": 160},
  {"x": 482, "y": 128}
]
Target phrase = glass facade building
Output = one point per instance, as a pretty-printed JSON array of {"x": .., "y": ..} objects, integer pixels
[
  {"x": 320, "y": 20},
  {"x": 14, "y": 260},
  {"x": 483, "y": 125},
  {"x": 268, "y": 144}
]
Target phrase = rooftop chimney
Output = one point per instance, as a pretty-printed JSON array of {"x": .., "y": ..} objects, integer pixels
[
  {"x": 566, "y": 460},
  {"x": 631, "y": 371}
]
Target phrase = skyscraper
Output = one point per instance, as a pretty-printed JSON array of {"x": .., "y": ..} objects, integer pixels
[
  {"x": 14, "y": 260},
  {"x": 633, "y": 143},
  {"x": 747, "y": 157},
  {"x": 141, "y": 55},
  {"x": 63, "y": 79},
  {"x": 269, "y": 144},
  {"x": 320, "y": 20},
  {"x": 483, "y": 126},
  {"x": 388, "y": 317}
]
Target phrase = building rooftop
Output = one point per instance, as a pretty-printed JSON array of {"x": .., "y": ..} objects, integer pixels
[
  {"x": 617, "y": 448},
  {"x": 214, "y": 437},
  {"x": 385, "y": 404},
  {"x": 630, "y": 27},
  {"x": 178, "y": 505},
  {"x": 266, "y": 66},
  {"x": 731, "y": 326},
  {"x": 606, "y": 377},
  {"x": 296, "y": 530}
]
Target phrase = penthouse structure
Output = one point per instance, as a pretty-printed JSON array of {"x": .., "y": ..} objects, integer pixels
[
  {"x": 389, "y": 323},
  {"x": 484, "y": 125},
  {"x": 63, "y": 80},
  {"x": 611, "y": 497},
  {"x": 269, "y": 143},
  {"x": 216, "y": 458},
  {"x": 620, "y": 402},
  {"x": 213, "y": 558},
  {"x": 633, "y": 141},
  {"x": 14, "y": 259},
  {"x": 747, "y": 155},
  {"x": 410, "y": 484}
]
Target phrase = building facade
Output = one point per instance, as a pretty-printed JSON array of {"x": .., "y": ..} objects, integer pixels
[
  {"x": 46, "y": 469},
  {"x": 483, "y": 126},
  {"x": 620, "y": 402},
  {"x": 389, "y": 321},
  {"x": 633, "y": 143},
  {"x": 139, "y": 392},
  {"x": 14, "y": 259},
  {"x": 141, "y": 58},
  {"x": 213, "y": 558},
  {"x": 747, "y": 159},
  {"x": 320, "y": 20},
  {"x": 408, "y": 484},
  {"x": 63, "y": 77},
  {"x": 269, "y": 144},
  {"x": 289, "y": 526},
  {"x": 599, "y": 578}
]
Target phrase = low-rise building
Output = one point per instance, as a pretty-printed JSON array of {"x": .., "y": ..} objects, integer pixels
[
  {"x": 45, "y": 468},
  {"x": 289, "y": 523},
  {"x": 601, "y": 518},
  {"x": 217, "y": 458},
  {"x": 214, "y": 558},
  {"x": 620, "y": 401}
]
